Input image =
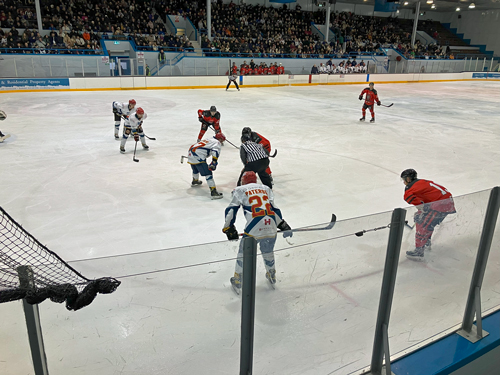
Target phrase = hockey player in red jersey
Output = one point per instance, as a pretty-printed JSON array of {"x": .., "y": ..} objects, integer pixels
[
  {"x": 207, "y": 118},
  {"x": 434, "y": 203},
  {"x": 370, "y": 99}
]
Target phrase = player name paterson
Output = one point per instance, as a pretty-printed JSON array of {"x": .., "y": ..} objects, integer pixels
[{"x": 255, "y": 191}]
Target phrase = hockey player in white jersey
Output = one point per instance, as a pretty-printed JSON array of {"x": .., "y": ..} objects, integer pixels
[
  {"x": 197, "y": 158},
  {"x": 122, "y": 110},
  {"x": 133, "y": 125},
  {"x": 263, "y": 220}
]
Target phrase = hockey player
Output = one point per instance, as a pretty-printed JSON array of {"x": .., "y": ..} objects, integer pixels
[
  {"x": 256, "y": 159},
  {"x": 207, "y": 118},
  {"x": 133, "y": 125},
  {"x": 434, "y": 203},
  {"x": 3, "y": 137},
  {"x": 370, "y": 98},
  {"x": 257, "y": 138},
  {"x": 197, "y": 157},
  {"x": 122, "y": 110},
  {"x": 232, "y": 79},
  {"x": 263, "y": 220}
]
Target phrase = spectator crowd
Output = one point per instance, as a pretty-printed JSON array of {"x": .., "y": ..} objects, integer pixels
[
  {"x": 344, "y": 67},
  {"x": 236, "y": 29}
]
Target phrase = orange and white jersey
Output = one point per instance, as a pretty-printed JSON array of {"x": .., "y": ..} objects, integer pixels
[
  {"x": 133, "y": 122},
  {"x": 261, "y": 213},
  {"x": 199, "y": 152}
]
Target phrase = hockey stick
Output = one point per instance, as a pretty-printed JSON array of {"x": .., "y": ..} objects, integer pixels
[
  {"x": 408, "y": 225},
  {"x": 227, "y": 140},
  {"x": 273, "y": 155},
  {"x": 135, "y": 149},
  {"x": 390, "y": 105},
  {"x": 151, "y": 139},
  {"x": 328, "y": 227},
  {"x": 182, "y": 159}
]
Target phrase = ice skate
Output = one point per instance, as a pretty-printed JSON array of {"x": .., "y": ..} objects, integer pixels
[
  {"x": 196, "y": 182},
  {"x": 417, "y": 254},
  {"x": 145, "y": 146},
  {"x": 362, "y": 118},
  {"x": 122, "y": 149},
  {"x": 271, "y": 277},
  {"x": 3, "y": 137},
  {"x": 214, "y": 194},
  {"x": 236, "y": 283},
  {"x": 373, "y": 119},
  {"x": 117, "y": 137},
  {"x": 427, "y": 246}
]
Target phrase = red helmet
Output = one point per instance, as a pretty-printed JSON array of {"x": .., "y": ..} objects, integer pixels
[
  {"x": 248, "y": 177},
  {"x": 140, "y": 111},
  {"x": 132, "y": 102},
  {"x": 220, "y": 137}
]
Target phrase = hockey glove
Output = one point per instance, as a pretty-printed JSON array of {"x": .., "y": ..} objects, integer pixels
[
  {"x": 361, "y": 97},
  {"x": 200, "y": 119},
  {"x": 378, "y": 103},
  {"x": 136, "y": 138},
  {"x": 139, "y": 129},
  {"x": 285, "y": 228},
  {"x": 213, "y": 166},
  {"x": 115, "y": 110},
  {"x": 231, "y": 233}
]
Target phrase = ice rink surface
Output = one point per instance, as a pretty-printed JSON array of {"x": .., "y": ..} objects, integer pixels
[{"x": 63, "y": 178}]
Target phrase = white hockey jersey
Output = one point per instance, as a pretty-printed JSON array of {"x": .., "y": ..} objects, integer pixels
[
  {"x": 199, "y": 152},
  {"x": 133, "y": 122},
  {"x": 123, "y": 108},
  {"x": 262, "y": 216}
]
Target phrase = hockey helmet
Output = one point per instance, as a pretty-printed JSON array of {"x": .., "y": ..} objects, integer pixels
[
  {"x": 371, "y": 84},
  {"x": 140, "y": 111},
  {"x": 412, "y": 173},
  {"x": 246, "y": 131},
  {"x": 132, "y": 103},
  {"x": 248, "y": 177},
  {"x": 213, "y": 109},
  {"x": 220, "y": 137}
]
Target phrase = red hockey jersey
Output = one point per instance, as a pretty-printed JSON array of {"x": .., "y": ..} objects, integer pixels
[{"x": 426, "y": 191}]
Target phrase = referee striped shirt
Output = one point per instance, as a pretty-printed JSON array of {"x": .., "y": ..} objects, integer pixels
[{"x": 251, "y": 151}]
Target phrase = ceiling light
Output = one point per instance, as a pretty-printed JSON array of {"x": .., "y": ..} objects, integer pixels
[
  {"x": 430, "y": 1},
  {"x": 472, "y": 5},
  {"x": 406, "y": 3},
  {"x": 433, "y": 6},
  {"x": 458, "y": 9}
]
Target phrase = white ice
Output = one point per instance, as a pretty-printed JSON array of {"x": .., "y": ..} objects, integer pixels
[{"x": 63, "y": 178}]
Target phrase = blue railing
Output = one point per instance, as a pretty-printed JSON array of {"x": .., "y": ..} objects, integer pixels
[
  {"x": 50, "y": 51},
  {"x": 208, "y": 52}
]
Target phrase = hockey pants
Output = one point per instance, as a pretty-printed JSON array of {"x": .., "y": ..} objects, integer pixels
[
  {"x": 266, "y": 248},
  {"x": 259, "y": 167}
]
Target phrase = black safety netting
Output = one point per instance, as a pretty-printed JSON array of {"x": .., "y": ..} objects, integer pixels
[{"x": 31, "y": 271}]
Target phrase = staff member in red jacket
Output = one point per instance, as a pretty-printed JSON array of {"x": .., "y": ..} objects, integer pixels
[
  {"x": 434, "y": 204},
  {"x": 370, "y": 98}
]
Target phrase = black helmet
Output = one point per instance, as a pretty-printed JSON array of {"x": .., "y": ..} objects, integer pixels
[
  {"x": 245, "y": 137},
  {"x": 412, "y": 173},
  {"x": 246, "y": 131},
  {"x": 372, "y": 84},
  {"x": 213, "y": 109}
]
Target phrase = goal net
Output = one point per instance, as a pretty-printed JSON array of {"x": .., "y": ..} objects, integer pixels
[{"x": 31, "y": 271}]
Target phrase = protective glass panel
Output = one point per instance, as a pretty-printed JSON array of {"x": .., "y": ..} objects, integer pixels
[
  {"x": 490, "y": 290},
  {"x": 15, "y": 357},
  {"x": 321, "y": 316},
  {"x": 167, "y": 316},
  {"x": 431, "y": 291}
]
